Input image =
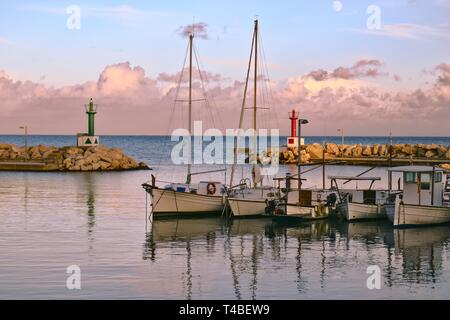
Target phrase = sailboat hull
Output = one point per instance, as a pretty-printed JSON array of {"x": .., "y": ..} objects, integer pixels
[
  {"x": 170, "y": 203},
  {"x": 247, "y": 207}
]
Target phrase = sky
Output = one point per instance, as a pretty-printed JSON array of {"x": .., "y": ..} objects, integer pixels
[{"x": 370, "y": 67}]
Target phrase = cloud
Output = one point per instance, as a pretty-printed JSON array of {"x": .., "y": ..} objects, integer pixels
[
  {"x": 362, "y": 68},
  {"x": 133, "y": 102},
  {"x": 200, "y": 30}
]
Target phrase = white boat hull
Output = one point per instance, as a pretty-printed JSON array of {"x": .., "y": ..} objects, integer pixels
[
  {"x": 247, "y": 207},
  {"x": 416, "y": 215},
  {"x": 361, "y": 211},
  {"x": 175, "y": 203}
]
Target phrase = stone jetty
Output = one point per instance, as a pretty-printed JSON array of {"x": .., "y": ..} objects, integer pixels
[
  {"x": 365, "y": 154},
  {"x": 50, "y": 158}
]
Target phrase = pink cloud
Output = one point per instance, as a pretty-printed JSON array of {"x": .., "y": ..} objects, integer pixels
[
  {"x": 362, "y": 68},
  {"x": 132, "y": 102}
]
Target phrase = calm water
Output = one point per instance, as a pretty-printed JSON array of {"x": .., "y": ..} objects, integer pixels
[{"x": 98, "y": 222}]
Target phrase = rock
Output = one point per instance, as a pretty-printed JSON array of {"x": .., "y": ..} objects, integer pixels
[
  {"x": 407, "y": 149},
  {"x": 86, "y": 167},
  {"x": 315, "y": 151},
  {"x": 420, "y": 152},
  {"x": 117, "y": 154},
  {"x": 6, "y": 146},
  {"x": 383, "y": 151},
  {"x": 47, "y": 153},
  {"x": 80, "y": 163},
  {"x": 75, "y": 168},
  {"x": 332, "y": 149},
  {"x": 375, "y": 149},
  {"x": 397, "y": 148},
  {"x": 82, "y": 159},
  {"x": 36, "y": 155},
  {"x": 432, "y": 146},
  {"x": 357, "y": 151},
  {"x": 367, "y": 151},
  {"x": 442, "y": 150},
  {"x": 104, "y": 165},
  {"x": 447, "y": 154},
  {"x": 104, "y": 157},
  {"x": 92, "y": 158},
  {"x": 144, "y": 165},
  {"x": 115, "y": 164},
  {"x": 67, "y": 163},
  {"x": 430, "y": 154},
  {"x": 348, "y": 151}
]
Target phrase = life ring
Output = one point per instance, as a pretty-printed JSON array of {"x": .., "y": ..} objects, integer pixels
[{"x": 211, "y": 188}]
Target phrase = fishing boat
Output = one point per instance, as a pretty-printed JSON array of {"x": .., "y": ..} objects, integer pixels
[
  {"x": 250, "y": 199},
  {"x": 360, "y": 204},
  {"x": 187, "y": 199},
  {"x": 421, "y": 201}
]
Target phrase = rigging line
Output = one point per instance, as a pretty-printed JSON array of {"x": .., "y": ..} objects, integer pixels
[
  {"x": 204, "y": 88},
  {"x": 241, "y": 117},
  {"x": 267, "y": 87},
  {"x": 174, "y": 104},
  {"x": 210, "y": 101},
  {"x": 272, "y": 112},
  {"x": 262, "y": 94}
]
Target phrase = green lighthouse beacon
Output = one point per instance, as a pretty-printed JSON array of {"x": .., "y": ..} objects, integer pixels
[{"x": 89, "y": 139}]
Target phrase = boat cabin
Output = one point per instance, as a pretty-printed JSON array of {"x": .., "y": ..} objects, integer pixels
[
  {"x": 422, "y": 185},
  {"x": 363, "y": 195}
]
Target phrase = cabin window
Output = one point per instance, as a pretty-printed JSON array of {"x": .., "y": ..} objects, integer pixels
[
  {"x": 410, "y": 177},
  {"x": 425, "y": 181},
  {"x": 438, "y": 177}
]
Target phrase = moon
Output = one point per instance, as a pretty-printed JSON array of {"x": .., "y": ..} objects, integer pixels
[{"x": 337, "y": 6}]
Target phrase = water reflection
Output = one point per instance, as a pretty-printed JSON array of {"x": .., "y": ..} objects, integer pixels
[
  {"x": 422, "y": 252},
  {"x": 251, "y": 246},
  {"x": 90, "y": 202}
]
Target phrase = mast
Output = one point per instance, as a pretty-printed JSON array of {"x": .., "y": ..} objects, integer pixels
[
  {"x": 191, "y": 38},
  {"x": 255, "y": 84}
]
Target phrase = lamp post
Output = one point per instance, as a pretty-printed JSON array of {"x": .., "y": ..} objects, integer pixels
[
  {"x": 26, "y": 137},
  {"x": 342, "y": 141},
  {"x": 299, "y": 161}
]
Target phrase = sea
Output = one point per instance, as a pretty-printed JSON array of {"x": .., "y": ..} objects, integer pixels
[{"x": 90, "y": 236}]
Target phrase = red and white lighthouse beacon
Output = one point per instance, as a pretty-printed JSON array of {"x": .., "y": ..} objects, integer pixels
[{"x": 292, "y": 141}]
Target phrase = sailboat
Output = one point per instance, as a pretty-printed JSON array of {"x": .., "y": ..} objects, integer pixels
[
  {"x": 187, "y": 199},
  {"x": 245, "y": 201}
]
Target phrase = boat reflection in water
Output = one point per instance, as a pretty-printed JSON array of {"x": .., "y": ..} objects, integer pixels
[
  {"x": 422, "y": 251},
  {"x": 254, "y": 258}
]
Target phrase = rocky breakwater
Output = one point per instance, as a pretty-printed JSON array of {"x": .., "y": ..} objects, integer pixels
[
  {"x": 50, "y": 158},
  {"x": 377, "y": 153}
]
